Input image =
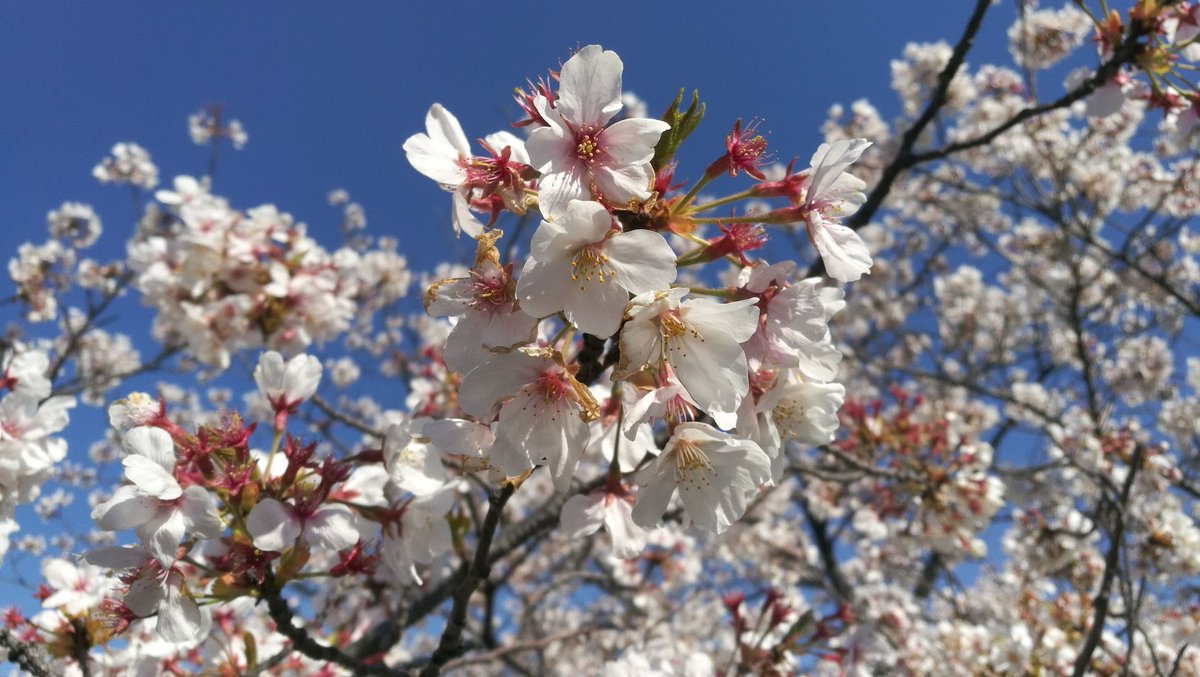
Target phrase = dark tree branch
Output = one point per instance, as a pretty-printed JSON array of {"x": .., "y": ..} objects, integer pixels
[
  {"x": 279, "y": 611},
  {"x": 450, "y": 645},
  {"x": 25, "y": 656}
]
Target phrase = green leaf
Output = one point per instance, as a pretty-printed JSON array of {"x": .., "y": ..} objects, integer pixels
[{"x": 682, "y": 125}]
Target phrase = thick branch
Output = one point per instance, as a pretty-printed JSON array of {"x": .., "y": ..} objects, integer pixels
[
  {"x": 302, "y": 641},
  {"x": 25, "y": 656}
]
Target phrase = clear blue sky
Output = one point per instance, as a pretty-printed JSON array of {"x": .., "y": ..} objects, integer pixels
[{"x": 329, "y": 93}]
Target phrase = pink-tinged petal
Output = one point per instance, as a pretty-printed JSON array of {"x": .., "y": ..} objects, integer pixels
[
  {"x": 620, "y": 184},
  {"x": 151, "y": 478},
  {"x": 145, "y": 594},
  {"x": 643, "y": 261},
  {"x": 162, "y": 534},
  {"x": 179, "y": 617},
  {"x": 658, "y": 486},
  {"x": 843, "y": 251},
  {"x": 589, "y": 87},
  {"x": 582, "y": 515},
  {"x": 119, "y": 557},
  {"x": 551, "y": 149},
  {"x": 435, "y": 160},
  {"x": 272, "y": 526},
  {"x": 200, "y": 514},
  {"x": 127, "y": 508},
  {"x": 830, "y": 160},
  {"x": 497, "y": 378},
  {"x": 331, "y": 527},
  {"x": 153, "y": 443},
  {"x": 632, "y": 141},
  {"x": 556, "y": 190},
  {"x": 443, "y": 127}
]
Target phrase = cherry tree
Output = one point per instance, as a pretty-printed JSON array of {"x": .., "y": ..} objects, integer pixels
[{"x": 927, "y": 403}]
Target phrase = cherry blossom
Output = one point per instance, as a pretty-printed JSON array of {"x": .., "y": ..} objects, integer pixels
[
  {"x": 580, "y": 157},
  {"x": 582, "y": 265},
  {"x": 715, "y": 474}
]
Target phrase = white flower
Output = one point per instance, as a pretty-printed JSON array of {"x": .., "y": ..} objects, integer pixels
[
  {"x": 26, "y": 373},
  {"x": 582, "y": 265},
  {"x": 794, "y": 410},
  {"x": 156, "y": 591},
  {"x": 154, "y": 505},
  {"x": 579, "y": 157},
  {"x": 132, "y": 411},
  {"x": 275, "y": 526},
  {"x": 794, "y": 331},
  {"x": 716, "y": 475},
  {"x": 421, "y": 534},
  {"x": 544, "y": 414},
  {"x": 77, "y": 586},
  {"x": 486, "y": 305},
  {"x": 701, "y": 341},
  {"x": 832, "y": 194},
  {"x": 584, "y": 514},
  {"x": 413, "y": 465},
  {"x": 285, "y": 386},
  {"x": 444, "y": 155}
]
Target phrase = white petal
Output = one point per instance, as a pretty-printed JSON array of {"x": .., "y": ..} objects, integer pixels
[
  {"x": 551, "y": 149},
  {"x": 622, "y": 183},
  {"x": 461, "y": 217},
  {"x": 151, "y": 478},
  {"x": 658, "y": 486},
  {"x": 502, "y": 139},
  {"x": 830, "y": 160},
  {"x": 643, "y": 260},
  {"x": 331, "y": 527},
  {"x": 457, "y": 436},
  {"x": 272, "y": 525},
  {"x": 301, "y": 377},
  {"x": 145, "y": 594},
  {"x": 628, "y": 539},
  {"x": 497, "y": 378},
  {"x": 200, "y": 514},
  {"x": 443, "y": 127},
  {"x": 118, "y": 557},
  {"x": 179, "y": 617},
  {"x": 153, "y": 443},
  {"x": 269, "y": 374},
  {"x": 162, "y": 534},
  {"x": 436, "y": 161},
  {"x": 632, "y": 141},
  {"x": 127, "y": 508},
  {"x": 589, "y": 90},
  {"x": 843, "y": 251},
  {"x": 582, "y": 514},
  {"x": 557, "y": 189},
  {"x": 415, "y": 467}
]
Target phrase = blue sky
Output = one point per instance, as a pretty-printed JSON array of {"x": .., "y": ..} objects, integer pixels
[{"x": 329, "y": 93}]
